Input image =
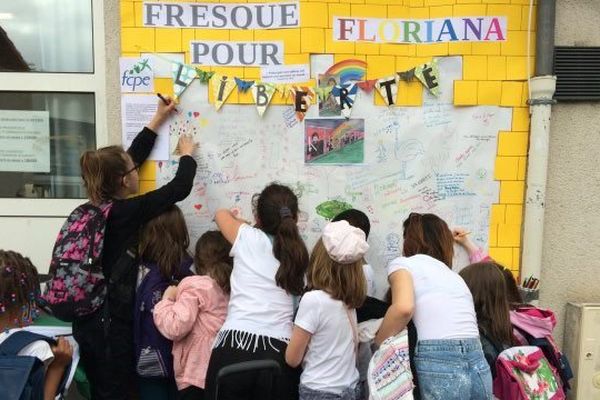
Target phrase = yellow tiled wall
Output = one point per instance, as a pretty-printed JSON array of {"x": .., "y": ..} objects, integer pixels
[{"x": 493, "y": 74}]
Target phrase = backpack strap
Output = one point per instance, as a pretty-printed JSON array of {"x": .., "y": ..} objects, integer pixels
[
  {"x": 526, "y": 335},
  {"x": 16, "y": 341}
]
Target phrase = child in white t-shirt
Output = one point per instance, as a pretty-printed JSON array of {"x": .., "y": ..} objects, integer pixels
[
  {"x": 325, "y": 337},
  {"x": 19, "y": 288}
]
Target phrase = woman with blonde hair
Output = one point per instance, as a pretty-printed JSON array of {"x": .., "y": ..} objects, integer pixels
[{"x": 325, "y": 337}]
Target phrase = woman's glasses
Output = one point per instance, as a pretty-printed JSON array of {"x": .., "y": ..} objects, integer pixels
[{"x": 135, "y": 168}]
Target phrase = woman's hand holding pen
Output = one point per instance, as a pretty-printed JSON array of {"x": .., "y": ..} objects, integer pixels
[{"x": 166, "y": 106}]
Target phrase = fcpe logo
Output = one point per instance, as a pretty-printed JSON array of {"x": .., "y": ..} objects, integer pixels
[{"x": 137, "y": 77}]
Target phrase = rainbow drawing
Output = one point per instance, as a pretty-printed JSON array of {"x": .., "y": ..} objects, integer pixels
[{"x": 348, "y": 70}]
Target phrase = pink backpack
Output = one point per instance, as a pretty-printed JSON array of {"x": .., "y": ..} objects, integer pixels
[
  {"x": 524, "y": 373},
  {"x": 533, "y": 326},
  {"x": 77, "y": 286}
]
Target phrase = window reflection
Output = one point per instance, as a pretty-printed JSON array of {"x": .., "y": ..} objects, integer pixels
[
  {"x": 72, "y": 131},
  {"x": 46, "y": 36}
]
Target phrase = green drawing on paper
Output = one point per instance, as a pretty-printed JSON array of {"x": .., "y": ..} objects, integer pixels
[{"x": 331, "y": 208}]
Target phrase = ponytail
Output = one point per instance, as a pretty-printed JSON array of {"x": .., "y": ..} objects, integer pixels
[
  {"x": 102, "y": 171},
  {"x": 290, "y": 250},
  {"x": 277, "y": 212}
]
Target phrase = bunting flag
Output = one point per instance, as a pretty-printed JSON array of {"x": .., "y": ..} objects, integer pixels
[
  {"x": 388, "y": 89},
  {"x": 243, "y": 85},
  {"x": 428, "y": 75},
  {"x": 406, "y": 75},
  {"x": 183, "y": 75},
  {"x": 204, "y": 76},
  {"x": 323, "y": 92},
  {"x": 222, "y": 88},
  {"x": 367, "y": 86},
  {"x": 303, "y": 97},
  {"x": 345, "y": 95},
  {"x": 285, "y": 89},
  {"x": 262, "y": 92}
]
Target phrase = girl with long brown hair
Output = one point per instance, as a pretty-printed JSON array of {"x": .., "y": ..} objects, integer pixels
[
  {"x": 164, "y": 260},
  {"x": 110, "y": 175},
  {"x": 192, "y": 313},
  {"x": 325, "y": 335},
  {"x": 448, "y": 359},
  {"x": 489, "y": 289},
  {"x": 269, "y": 263}
]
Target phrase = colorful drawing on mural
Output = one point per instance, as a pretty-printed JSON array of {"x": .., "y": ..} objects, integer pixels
[
  {"x": 183, "y": 126},
  {"x": 338, "y": 74},
  {"x": 348, "y": 70},
  {"x": 330, "y": 208},
  {"x": 334, "y": 141}
]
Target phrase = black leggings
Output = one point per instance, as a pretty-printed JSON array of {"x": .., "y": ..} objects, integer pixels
[
  {"x": 108, "y": 362},
  {"x": 251, "y": 385}
]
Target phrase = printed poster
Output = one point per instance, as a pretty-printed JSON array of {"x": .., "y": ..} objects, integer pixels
[
  {"x": 136, "y": 111},
  {"x": 24, "y": 141}
]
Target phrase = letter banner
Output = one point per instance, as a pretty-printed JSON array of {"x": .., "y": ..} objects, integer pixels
[
  {"x": 428, "y": 74},
  {"x": 183, "y": 75},
  {"x": 262, "y": 92},
  {"x": 345, "y": 95},
  {"x": 303, "y": 97},
  {"x": 222, "y": 87},
  {"x": 388, "y": 89}
]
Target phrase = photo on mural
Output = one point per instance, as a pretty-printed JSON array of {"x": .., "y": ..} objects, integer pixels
[{"x": 334, "y": 141}]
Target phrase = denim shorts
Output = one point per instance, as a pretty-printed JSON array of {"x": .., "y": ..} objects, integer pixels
[
  {"x": 307, "y": 393},
  {"x": 453, "y": 369}
]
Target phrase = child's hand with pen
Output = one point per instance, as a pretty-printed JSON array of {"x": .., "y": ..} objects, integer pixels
[
  {"x": 166, "y": 106},
  {"x": 461, "y": 236}
]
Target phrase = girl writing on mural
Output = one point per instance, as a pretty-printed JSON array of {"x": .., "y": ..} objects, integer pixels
[
  {"x": 110, "y": 175},
  {"x": 448, "y": 359},
  {"x": 269, "y": 263}
]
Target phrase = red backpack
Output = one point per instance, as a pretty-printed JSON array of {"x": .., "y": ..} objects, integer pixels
[{"x": 77, "y": 287}]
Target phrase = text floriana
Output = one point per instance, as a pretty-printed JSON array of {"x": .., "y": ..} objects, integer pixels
[{"x": 439, "y": 30}]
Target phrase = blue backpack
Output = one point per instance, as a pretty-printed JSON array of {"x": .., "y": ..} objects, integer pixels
[
  {"x": 153, "y": 358},
  {"x": 23, "y": 377}
]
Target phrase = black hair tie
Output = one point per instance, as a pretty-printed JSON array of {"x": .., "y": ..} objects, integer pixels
[{"x": 285, "y": 212}]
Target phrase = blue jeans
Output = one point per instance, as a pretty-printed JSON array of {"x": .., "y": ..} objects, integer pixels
[{"x": 452, "y": 370}]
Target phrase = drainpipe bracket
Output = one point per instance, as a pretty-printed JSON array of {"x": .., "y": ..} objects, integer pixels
[{"x": 541, "y": 101}]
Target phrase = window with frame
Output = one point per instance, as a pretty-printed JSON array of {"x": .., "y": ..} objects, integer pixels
[{"x": 51, "y": 88}]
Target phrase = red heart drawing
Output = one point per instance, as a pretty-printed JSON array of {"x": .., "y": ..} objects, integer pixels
[
  {"x": 196, "y": 114},
  {"x": 197, "y": 206}
]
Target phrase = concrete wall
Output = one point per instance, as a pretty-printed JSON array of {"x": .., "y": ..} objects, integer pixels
[
  {"x": 571, "y": 262},
  {"x": 112, "y": 34}
]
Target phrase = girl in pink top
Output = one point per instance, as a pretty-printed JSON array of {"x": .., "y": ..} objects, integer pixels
[{"x": 192, "y": 313}]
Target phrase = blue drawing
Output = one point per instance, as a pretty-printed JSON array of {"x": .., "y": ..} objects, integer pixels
[{"x": 406, "y": 152}]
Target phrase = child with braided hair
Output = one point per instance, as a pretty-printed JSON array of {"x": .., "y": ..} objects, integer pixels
[{"x": 19, "y": 290}]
